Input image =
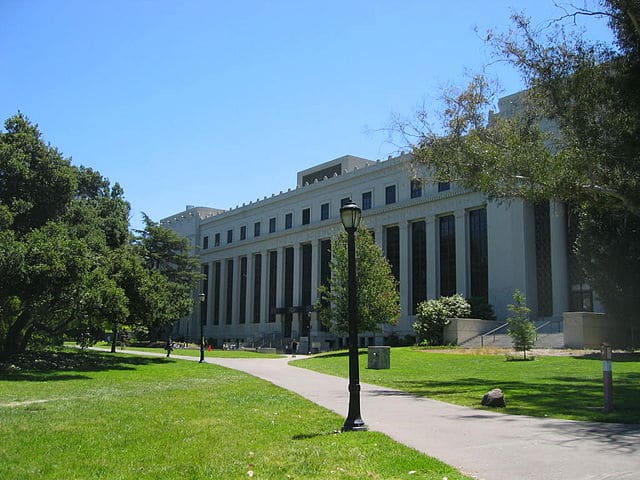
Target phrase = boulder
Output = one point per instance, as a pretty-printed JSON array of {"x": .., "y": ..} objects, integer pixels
[{"x": 494, "y": 398}]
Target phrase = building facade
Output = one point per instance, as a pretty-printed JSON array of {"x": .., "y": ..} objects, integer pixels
[{"x": 265, "y": 260}]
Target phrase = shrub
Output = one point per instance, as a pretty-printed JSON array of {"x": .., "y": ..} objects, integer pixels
[
  {"x": 521, "y": 328},
  {"x": 481, "y": 308},
  {"x": 433, "y": 315}
]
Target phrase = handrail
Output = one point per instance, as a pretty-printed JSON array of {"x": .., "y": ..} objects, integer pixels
[{"x": 491, "y": 332}]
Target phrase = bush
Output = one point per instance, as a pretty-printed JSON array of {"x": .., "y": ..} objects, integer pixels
[
  {"x": 481, "y": 308},
  {"x": 433, "y": 315},
  {"x": 521, "y": 329}
]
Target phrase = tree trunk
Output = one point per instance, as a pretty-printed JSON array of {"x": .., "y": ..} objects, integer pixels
[
  {"x": 18, "y": 334},
  {"x": 115, "y": 337}
]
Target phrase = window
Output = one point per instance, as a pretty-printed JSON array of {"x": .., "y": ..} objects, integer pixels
[
  {"x": 216, "y": 240},
  {"x": 288, "y": 221},
  {"x": 325, "y": 270},
  {"x": 416, "y": 188},
  {"x": 229, "y": 312},
  {"x": 242, "y": 300},
  {"x": 447, "y": 256},
  {"x": 256, "y": 229},
  {"x": 324, "y": 211},
  {"x": 478, "y": 253},
  {"x": 257, "y": 283},
  {"x": 272, "y": 225},
  {"x": 366, "y": 201},
  {"x": 443, "y": 186},
  {"x": 205, "y": 289},
  {"x": 205, "y": 243},
  {"x": 288, "y": 292},
  {"x": 243, "y": 232},
  {"x": 390, "y": 194},
  {"x": 418, "y": 264},
  {"x": 216, "y": 293},
  {"x": 306, "y": 216},
  {"x": 344, "y": 201},
  {"x": 229, "y": 236},
  {"x": 273, "y": 276},
  {"x": 393, "y": 250},
  {"x": 305, "y": 293}
]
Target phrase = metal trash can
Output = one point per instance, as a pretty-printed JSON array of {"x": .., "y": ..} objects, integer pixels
[{"x": 379, "y": 358}]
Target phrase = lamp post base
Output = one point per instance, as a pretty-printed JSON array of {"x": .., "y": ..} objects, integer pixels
[{"x": 355, "y": 425}]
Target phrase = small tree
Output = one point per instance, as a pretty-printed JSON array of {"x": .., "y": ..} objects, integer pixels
[
  {"x": 521, "y": 328},
  {"x": 433, "y": 315},
  {"x": 378, "y": 297}
]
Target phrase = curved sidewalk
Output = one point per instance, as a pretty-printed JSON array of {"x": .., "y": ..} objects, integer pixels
[{"x": 488, "y": 445}]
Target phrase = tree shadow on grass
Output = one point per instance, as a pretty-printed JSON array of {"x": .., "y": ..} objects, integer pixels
[
  {"x": 60, "y": 365},
  {"x": 566, "y": 396}
]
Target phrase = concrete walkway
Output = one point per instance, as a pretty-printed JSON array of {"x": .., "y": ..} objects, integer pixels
[{"x": 487, "y": 445}]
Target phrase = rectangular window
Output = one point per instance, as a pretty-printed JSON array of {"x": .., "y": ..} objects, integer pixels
[
  {"x": 272, "y": 225},
  {"x": 288, "y": 291},
  {"x": 543, "y": 258},
  {"x": 418, "y": 264},
  {"x": 243, "y": 232},
  {"x": 390, "y": 194},
  {"x": 305, "y": 294},
  {"x": 479, "y": 268},
  {"x": 216, "y": 240},
  {"x": 273, "y": 278},
  {"x": 256, "y": 229},
  {"x": 443, "y": 186},
  {"x": 393, "y": 249},
  {"x": 205, "y": 243},
  {"x": 324, "y": 211},
  {"x": 366, "y": 201},
  {"x": 288, "y": 221},
  {"x": 205, "y": 290},
  {"x": 325, "y": 269},
  {"x": 416, "y": 188},
  {"x": 257, "y": 283},
  {"x": 344, "y": 201},
  {"x": 229, "y": 236},
  {"x": 229, "y": 312},
  {"x": 306, "y": 216},
  {"x": 216, "y": 293},
  {"x": 447, "y": 226},
  {"x": 242, "y": 306}
]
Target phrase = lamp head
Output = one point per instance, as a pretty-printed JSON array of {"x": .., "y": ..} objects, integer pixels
[{"x": 350, "y": 215}]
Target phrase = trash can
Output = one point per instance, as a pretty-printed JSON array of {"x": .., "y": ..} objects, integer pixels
[{"x": 379, "y": 358}]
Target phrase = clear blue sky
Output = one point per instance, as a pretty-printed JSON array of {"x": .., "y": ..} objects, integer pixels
[{"x": 216, "y": 103}]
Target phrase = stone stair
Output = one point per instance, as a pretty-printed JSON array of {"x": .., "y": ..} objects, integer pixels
[{"x": 502, "y": 340}]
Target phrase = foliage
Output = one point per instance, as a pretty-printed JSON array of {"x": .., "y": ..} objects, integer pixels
[
  {"x": 573, "y": 136},
  {"x": 521, "y": 329},
  {"x": 433, "y": 315},
  {"x": 378, "y": 297},
  {"x": 67, "y": 260},
  {"x": 481, "y": 308}
]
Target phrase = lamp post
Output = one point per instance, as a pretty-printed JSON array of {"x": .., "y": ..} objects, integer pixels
[
  {"x": 350, "y": 215},
  {"x": 202, "y": 297}
]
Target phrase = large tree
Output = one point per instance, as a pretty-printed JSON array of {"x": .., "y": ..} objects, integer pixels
[
  {"x": 573, "y": 136},
  {"x": 378, "y": 298}
]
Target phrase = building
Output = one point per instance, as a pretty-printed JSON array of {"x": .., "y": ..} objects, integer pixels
[{"x": 264, "y": 260}]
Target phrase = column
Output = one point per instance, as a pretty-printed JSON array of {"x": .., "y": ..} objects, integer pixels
[
  {"x": 559, "y": 268},
  {"x": 280, "y": 281},
  {"x": 251, "y": 260},
  {"x": 222, "y": 313},
  {"x": 315, "y": 279},
  {"x": 462, "y": 263},
  {"x": 209, "y": 294},
  {"x": 235, "y": 312},
  {"x": 432, "y": 258}
]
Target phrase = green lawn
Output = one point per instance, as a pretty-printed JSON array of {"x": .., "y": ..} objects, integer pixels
[
  {"x": 96, "y": 415},
  {"x": 561, "y": 387}
]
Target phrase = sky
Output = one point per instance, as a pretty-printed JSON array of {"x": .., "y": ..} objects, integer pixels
[{"x": 217, "y": 103}]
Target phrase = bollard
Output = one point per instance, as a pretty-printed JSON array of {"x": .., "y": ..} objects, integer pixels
[{"x": 607, "y": 380}]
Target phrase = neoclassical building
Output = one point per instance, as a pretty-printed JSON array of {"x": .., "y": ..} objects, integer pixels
[{"x": 264, "y": 260}]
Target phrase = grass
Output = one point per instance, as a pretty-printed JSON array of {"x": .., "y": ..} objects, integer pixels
[
  {"x": 559, "y": 387},
  {"x": 75, "y": 414}
]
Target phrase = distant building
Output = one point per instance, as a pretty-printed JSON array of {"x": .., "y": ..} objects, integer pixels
[{"x": 264, "y": 261}]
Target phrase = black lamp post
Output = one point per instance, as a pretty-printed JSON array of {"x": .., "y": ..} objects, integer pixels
[
  {"x": 350, "y": 215},
  {"x": 202, "y": 297}
]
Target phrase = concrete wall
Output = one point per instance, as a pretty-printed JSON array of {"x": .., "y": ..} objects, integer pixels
[
  {"x": 590, "y": 330},
  {"x": 460, "y": 330}
]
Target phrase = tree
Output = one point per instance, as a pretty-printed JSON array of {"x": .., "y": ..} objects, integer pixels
[
  {"x": 521, "y": 329},
  {"x": 434, "y": 315},
  {"x": 574, "y": 136},
  {"x": 378, "y": 298}
]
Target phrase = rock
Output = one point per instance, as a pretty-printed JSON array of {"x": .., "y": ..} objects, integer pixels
[{"x": 494, "y": 398}]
